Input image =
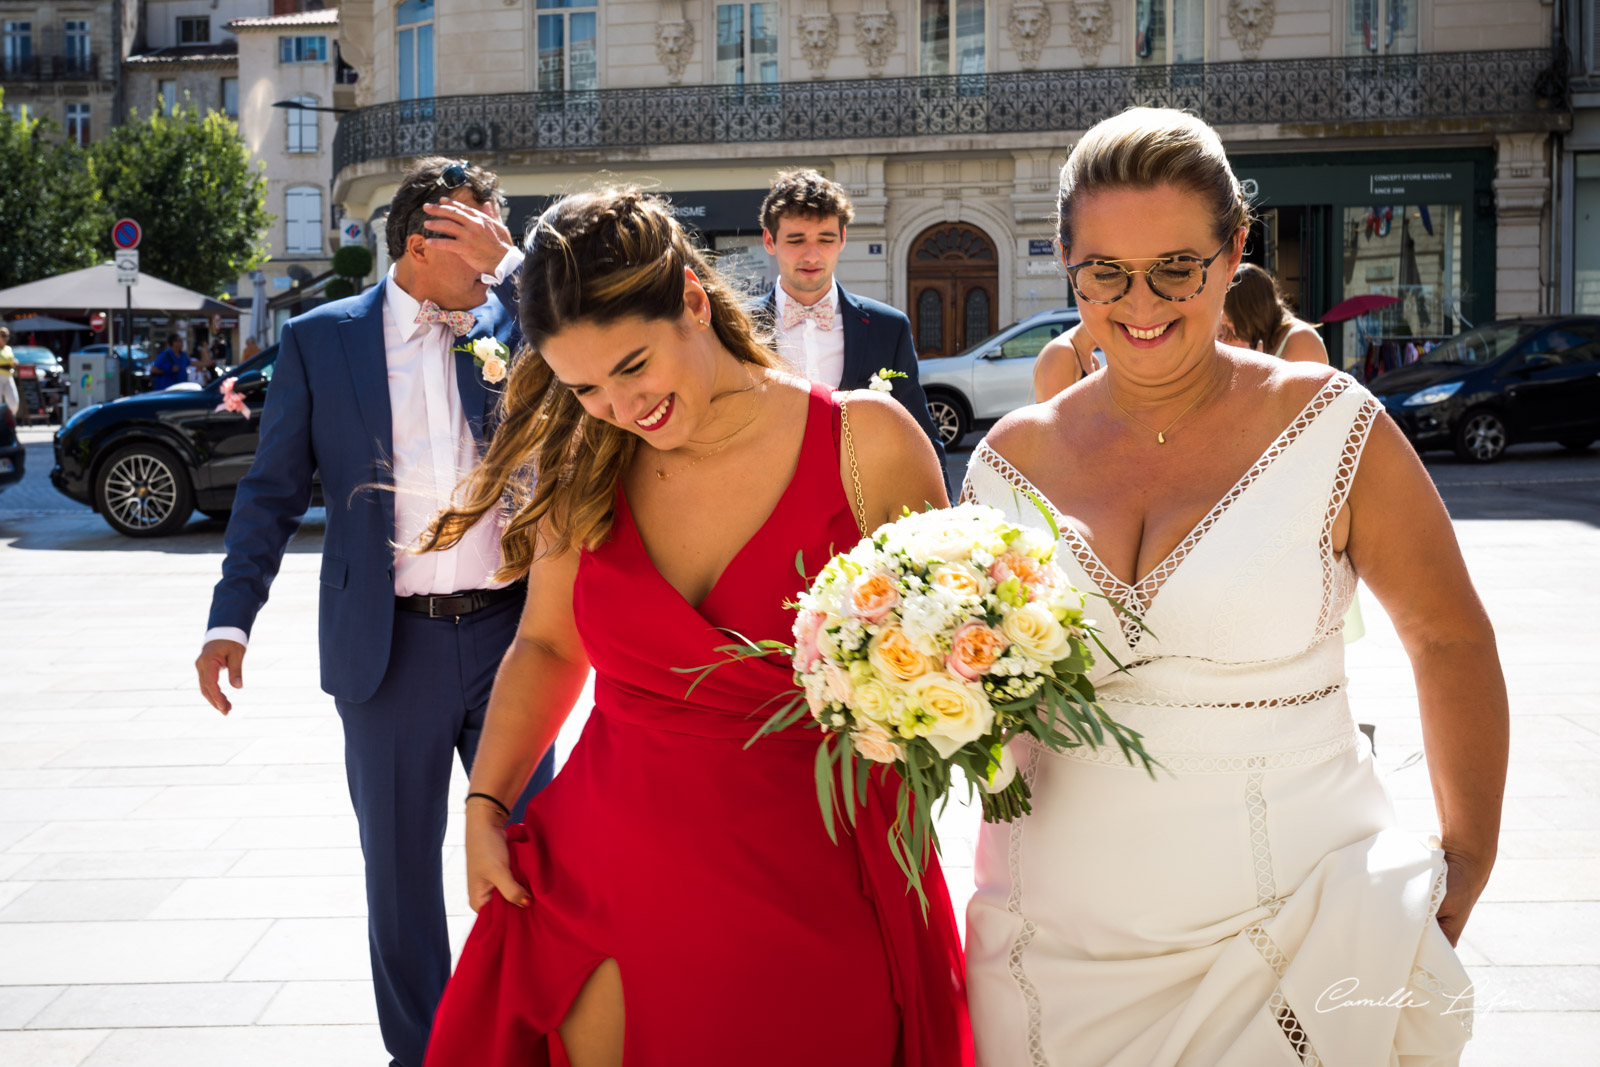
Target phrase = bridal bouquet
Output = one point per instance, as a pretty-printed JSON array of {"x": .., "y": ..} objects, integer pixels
[{"x": 929, "y": 646}]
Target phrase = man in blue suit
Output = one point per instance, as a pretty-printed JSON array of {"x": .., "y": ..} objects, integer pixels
[
  {"x": 827, "y": 334},
  {"x": 376, "y": 395}
]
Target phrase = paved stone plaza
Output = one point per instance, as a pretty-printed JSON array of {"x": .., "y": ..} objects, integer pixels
[{"x": 177, "y": 888}]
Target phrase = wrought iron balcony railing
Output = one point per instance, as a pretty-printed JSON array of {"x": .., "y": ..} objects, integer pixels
[
  {"x": 50, "y": 68},
  {"x": 1339, "y": 91}
]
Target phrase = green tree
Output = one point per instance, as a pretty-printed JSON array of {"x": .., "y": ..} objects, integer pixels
[
  {"x": 51, "y": 214},
  {"x": 189, "y": 182}
]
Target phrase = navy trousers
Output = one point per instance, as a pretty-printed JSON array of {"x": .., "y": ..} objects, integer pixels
[{"x": 398, "y": 751}]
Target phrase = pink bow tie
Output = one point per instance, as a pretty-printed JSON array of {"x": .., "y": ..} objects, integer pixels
[
  {"x": 460, "y": 322},
  {"x": 821, "y": 313}
]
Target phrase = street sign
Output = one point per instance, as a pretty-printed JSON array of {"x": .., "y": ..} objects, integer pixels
[
  {"x": 97, "y": 321},
  {"x": 128, "y": 267},
  {"x": 125, "y": 234},
  {"x": 352, "y": 233}
]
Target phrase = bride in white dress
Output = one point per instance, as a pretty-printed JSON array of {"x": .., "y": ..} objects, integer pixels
[{"x": 1254, "y": 904}]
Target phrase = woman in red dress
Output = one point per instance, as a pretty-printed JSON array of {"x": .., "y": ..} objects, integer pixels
[{"x": 674, "y": 897}]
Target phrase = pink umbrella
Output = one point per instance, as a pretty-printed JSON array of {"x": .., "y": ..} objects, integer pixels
[{"x": 1358, "y": 305}]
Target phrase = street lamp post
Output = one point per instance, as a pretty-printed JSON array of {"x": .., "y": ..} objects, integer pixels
[{"x": 295, "y": 105}]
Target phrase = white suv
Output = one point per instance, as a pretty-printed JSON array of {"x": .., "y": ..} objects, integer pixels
[{"x": 991, "y": 378}]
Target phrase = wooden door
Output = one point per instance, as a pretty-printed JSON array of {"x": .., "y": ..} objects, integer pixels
[{"x": 953, "y": 283}]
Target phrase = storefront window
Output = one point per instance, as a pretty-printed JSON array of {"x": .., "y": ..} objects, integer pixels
[
  {"x": 1410, "y": 252},
  {"x": 1586, "y": 235}
]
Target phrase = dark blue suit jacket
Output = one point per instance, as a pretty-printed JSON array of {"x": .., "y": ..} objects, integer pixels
[
  {"x": 876, "y": 337},
  {"x": 327, "y": 411}
]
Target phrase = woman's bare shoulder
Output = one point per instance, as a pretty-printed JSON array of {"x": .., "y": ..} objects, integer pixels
[
  {"x": 1036, "y": 431},
  {"x": 1304, "y": 344},
  {"x": 1266, "y": 383}
]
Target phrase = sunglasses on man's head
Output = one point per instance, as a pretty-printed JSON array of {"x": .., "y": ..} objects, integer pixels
[{"x": 452, "y": 177}]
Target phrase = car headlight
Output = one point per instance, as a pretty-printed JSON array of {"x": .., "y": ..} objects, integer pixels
[{"x": 1433, "y": 394}]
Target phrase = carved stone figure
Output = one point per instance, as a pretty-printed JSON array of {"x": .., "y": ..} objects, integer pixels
[
  {"x": 877, "y": 33},
  {"x": 1250, "y": 22},
  {"x": 674, "y": 44},
  {"x": 1090, "y": 29},
  {"x": 819, "y": 40},
  {"x": 1030, "y": 29}
]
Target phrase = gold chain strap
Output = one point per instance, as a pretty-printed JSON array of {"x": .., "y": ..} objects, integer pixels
[{"x": 855, "y": 471}]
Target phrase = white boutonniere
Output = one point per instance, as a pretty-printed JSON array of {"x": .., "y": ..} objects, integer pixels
[
  {"x": 490, "y": 355},
  {"x": 882, "y": 381}
]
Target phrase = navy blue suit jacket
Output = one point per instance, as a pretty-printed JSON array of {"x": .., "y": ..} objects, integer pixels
[
  {"x": 876, "y": 337},
  {"x": 327, "y": 411}
]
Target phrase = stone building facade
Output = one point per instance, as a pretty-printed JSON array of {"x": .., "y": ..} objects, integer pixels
[
  {"x": 1393, "y": 146},
  {"x": 60, "y": 59},
  {"x": 290, "y": 58},
  {"x": 185, "y": 53}
]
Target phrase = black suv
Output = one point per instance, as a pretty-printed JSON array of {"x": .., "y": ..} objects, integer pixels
[
  {"x": 1504, "y": 383},
  {"x": 147, "y": 462}
]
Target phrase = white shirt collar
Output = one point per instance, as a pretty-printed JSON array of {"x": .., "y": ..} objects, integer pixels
[
  {"x": 404, "y": 307},
  {"x": 783, "y": 300}
]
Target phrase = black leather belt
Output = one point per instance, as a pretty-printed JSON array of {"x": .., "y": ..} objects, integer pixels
[{"x": 458, "y": 604}]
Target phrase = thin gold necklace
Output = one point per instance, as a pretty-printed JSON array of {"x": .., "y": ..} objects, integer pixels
[
  {"x": 663, "y": 475},
  {"x": 1161, "y": 435}
]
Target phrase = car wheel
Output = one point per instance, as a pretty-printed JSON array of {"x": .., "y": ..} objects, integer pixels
[
  {"x": 1577, "y": 444},
  {"x": 144, "y": 492},
  {"x": 949, "y": 417},
  {"x": 1481, "y": 437}
]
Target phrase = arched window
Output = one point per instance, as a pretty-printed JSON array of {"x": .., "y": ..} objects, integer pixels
[{"x": 302, "y": 221}]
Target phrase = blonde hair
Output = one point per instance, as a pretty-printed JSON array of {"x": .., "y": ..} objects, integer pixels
[
  {"x": 1149, "y": 146},
  {"x": 594, "y": 257}
]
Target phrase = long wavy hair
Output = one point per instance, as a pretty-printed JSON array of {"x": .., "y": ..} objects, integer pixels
[
  {"x": 1255, "y": 307},
  {"x": 594, "y": 257}
]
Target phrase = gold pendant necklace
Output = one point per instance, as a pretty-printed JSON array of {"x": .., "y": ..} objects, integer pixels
[
  {"x": 663, "y": 474},
  {"x": 1161, "y": 435}
]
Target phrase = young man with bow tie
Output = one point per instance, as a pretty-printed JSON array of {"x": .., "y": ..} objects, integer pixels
[
  {"x": 380, "y": 395},
  {"x": 825, "y": 333}
]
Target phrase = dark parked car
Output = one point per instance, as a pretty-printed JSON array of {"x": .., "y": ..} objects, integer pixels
[
  {"x": 44, "y": 362},
  {"x": 1504, "y": 383},
  {"x": 147, "y": 462},
  {"x": 12, "y": 452}
]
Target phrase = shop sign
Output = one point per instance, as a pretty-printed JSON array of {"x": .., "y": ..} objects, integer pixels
[
  {"x": 709, "y": 211},
  {"x": 1353, "y": 185},
  {"x": 1038, "y": 247}
]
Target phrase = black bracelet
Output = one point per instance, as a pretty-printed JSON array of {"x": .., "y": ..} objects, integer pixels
[{"x": 503, "y": 809}]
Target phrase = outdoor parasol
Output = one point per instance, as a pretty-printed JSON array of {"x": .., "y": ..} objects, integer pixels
[{"x": 1358, "y": 305}]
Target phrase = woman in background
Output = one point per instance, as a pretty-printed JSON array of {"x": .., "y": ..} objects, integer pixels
[
  {"x": 1065, "y": 361},
  {"x": 1255, "y": 316}
]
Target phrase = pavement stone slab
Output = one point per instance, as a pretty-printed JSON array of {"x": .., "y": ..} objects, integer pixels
[{"x": 178, "y": 887}]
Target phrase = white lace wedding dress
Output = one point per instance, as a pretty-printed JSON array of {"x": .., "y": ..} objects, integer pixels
[{"x": 1255, "y": 903}]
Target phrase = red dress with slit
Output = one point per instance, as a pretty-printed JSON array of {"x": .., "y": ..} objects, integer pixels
[{"x": 743, "y": 934}]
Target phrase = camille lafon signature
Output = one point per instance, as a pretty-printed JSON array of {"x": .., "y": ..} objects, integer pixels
[{"x": 1344, "y": 994}]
